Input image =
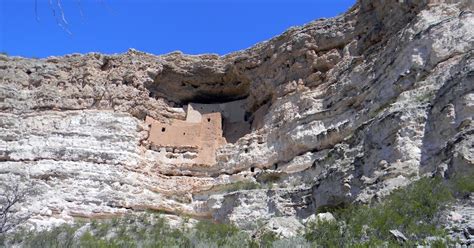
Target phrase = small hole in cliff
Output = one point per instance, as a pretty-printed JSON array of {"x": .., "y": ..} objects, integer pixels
[
  {"x": 275, "y": 166},
  {"x": 252, "y": 169},
  {"x": 246, "y": 150},
  {"x": 208, "y": 119},
  {"x": 163, "y": 129},
  {"x": 151, "y": 94},
  {"x": 246, "y": 116},
  {"x": 105, "y": 64},
  {"x": 184, "y": 133}
]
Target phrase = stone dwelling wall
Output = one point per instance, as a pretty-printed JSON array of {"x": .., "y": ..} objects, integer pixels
[
  {"x": 211, "y": 138},
  {"x": 201, "y": 139},
  {"x": 176, "y": 134},
  {"x": 234, "y": 123}
]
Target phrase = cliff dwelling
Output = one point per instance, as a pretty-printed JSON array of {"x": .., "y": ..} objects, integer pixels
[{"x": 206, "y": 128}]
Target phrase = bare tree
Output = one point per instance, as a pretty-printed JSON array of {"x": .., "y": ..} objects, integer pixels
[{"x": 11, "y": 194}]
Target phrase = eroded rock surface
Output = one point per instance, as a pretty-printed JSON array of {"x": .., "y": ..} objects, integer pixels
[{"x": 342, "y": 110}]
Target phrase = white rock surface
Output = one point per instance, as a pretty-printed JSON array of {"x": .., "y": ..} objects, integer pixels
[
  {"x": 283, "y": 227},
  {"x": 320, "y": 217}
]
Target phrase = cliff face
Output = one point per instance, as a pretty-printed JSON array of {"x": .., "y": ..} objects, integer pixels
[{"x": 342, "y": 110}]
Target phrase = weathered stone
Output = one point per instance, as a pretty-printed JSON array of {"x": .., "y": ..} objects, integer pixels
[
  {"x": 321, "y": 217},
  {"x": 398, "y": 236},
  {"x": 283, "y": 227}
]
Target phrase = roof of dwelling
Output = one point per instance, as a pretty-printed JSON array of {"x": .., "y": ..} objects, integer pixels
[{"x": 231, "y": 111}]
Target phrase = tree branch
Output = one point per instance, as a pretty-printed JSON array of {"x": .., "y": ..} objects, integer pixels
[{"x": 9, "y": 197}]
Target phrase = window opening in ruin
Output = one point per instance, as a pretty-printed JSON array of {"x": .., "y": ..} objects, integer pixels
[
  {"x": 246, "y": 116},
  {"x": 252, "y": 169}
]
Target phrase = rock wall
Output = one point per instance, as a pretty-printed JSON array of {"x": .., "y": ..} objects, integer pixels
[{"x": 343, "y": 110}]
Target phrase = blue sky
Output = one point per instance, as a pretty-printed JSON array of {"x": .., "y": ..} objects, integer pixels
[{"x": 154, "y": 26}]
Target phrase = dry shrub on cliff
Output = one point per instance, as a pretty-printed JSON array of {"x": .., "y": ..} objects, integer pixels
[{"x": 12, "y": 192}]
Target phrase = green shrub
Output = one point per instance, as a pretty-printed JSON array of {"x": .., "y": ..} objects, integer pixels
[
  {"x": 90, "y": 241},
  {"x": 62, "y": 236},
  {"x": 266, "y": 240},
  {"x": 325, "y": 234},
  {"x": 463, "y": 185},
  {"x": 241, "y": 185},
  {"x": 219, "y": 235},
  {"x": 135, "y": 231},
  {"x": 412, "y": 210}
]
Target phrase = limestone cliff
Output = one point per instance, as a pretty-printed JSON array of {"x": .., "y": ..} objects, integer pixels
[{"x": 341, "y": 110}]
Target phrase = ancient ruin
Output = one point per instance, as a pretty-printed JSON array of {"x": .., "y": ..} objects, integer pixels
[{"x": 196, "y": 139}]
